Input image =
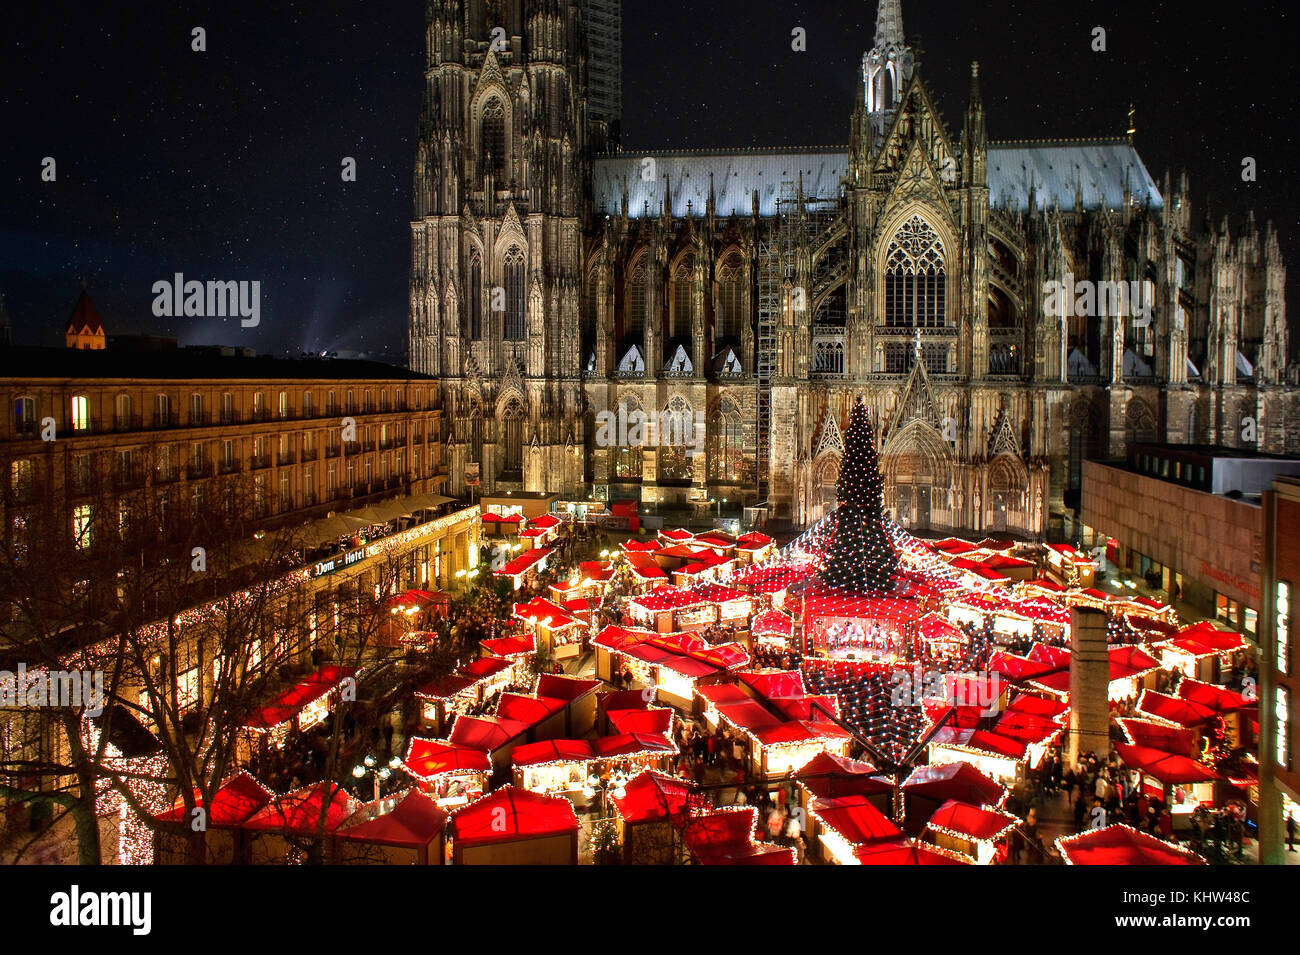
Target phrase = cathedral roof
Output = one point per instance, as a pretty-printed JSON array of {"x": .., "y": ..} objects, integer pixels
[
  {"x": 1057, "y": 169},
  {"x": 736, "y": 175},
  {"x": 1053, "y": 169}
]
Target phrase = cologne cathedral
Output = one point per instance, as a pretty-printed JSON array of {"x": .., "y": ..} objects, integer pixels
[{"x": 761, "y": 292}]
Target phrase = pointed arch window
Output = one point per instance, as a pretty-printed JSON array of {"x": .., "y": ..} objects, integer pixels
[
  {"x": 512, "y": 439},
  {"x": 515, "y": 295},
  {"x": 727, "y": 462},
  {"x": 475, "y": 298},
  {"x": 729, "y": 298},
  {"x": 634, "y": 320},
  {"x": 493, "y": 140},
  {"x": 683, "y": 299},
  {"x": 915, "y": 277}
]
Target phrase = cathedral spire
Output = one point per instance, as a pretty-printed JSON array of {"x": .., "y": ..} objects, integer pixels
[
  {"x": 889, "y": 23},
  {"x": 887, "y": 66}
]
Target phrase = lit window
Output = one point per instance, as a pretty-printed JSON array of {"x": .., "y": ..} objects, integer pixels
[
  {"x": 81, "y": 526},
  {"x": 80, "y": 413}
]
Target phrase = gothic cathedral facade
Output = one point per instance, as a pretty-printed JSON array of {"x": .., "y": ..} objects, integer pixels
[{"x": 975, "y": 293}]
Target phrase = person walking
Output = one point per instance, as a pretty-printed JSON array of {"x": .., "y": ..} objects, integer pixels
[{"x": 1290, "y": 832}]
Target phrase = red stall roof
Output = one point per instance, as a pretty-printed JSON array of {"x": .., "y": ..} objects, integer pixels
[
  {"x": 528, "y": 709},
  {"x": 827, "y": 775},
  {"x": 1120, "y": 845},
  {"x": 1171, "y": 739},
  {"x": 632, "y": 744},
  {"x": 523, "y": 562},
  {"x": 651, "y": 720},
  {"x": 509, "y": 646},
  {"x": 485, "y": 732},
  {"x": 1169, "y": 768},
  {"x": 972, "y": 822},
  {"x": 772, "y": 621},
  {"x": 1173, "y": 709},
  {"x": 289, "y": 703},
  {"x": 237, "y": 799},
  {"x": 552, "y": 751},
  {"x": 724, "y": 838},
  {"x": 960, "y": 781},
  {"x": 567, "y": 688},
  {"x": 415, "y": 820},
  {"x": 510, "y": 813},
  {"x": 855, "y": 819},
  {"x": 1217, "y": 698},
  {"x": 651, "y": 796},
  {"x": 427, "y": 758},
  {"x": 300, "y": 811},
  {"x": 905, "y": 852}
]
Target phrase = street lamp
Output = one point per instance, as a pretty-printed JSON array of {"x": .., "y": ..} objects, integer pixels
[
  {"x": 381, "y": 773},
  {"x": 604, "y": 787}
]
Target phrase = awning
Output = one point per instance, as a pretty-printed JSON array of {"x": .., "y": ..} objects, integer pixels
[{"x": 1121, "y": 845}]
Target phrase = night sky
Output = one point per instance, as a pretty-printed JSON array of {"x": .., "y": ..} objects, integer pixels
[{"x": 226, "y": 164}]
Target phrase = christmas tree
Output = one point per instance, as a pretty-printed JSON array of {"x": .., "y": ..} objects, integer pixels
[{"x": 860, "y": 557}]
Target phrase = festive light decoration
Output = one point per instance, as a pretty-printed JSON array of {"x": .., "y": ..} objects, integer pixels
[{"x": 861, "y": 557}]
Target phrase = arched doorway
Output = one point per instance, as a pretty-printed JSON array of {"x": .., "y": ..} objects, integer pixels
[{"x": 917, "y": 476}]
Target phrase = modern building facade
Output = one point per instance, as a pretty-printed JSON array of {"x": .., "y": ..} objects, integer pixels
[
  {"x": 1007, "y": 309},
  {"x": 1191, "y": 519}
]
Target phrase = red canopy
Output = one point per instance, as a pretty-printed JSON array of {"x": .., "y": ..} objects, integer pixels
[
  {"x": 416, "y": 820},
  {"x": 1173, "y": 709},
  {"x": 855, "y": 819},
  {"x": 656, "y": 720},
  {"x": 905, "y": 852},
  {"x": 1172, "y": 739},
  {"x": 235, "y": 801},
  {"x": 301, "y": 810},
  {"x": 289, "y": 703},
  {"x": 960, "y": 781},
  {"x": 510, "y": 813},
  {"x": 1215, "y": 697},
  {"x": 563, "y": 687},
  {"x": 827, "y": 775},
  {"x": 972, "y": 822},
  {"x": 724, "y": 837},
  {"x": 485, "y": 732},
  {"x": 528, "y": 709},
  {"x": 428, "y": 758},
  {"x": 1120, "y": 845},
  {"x": 651, "y": 796},
  {"x": 552, "y": 751},
  {"x": 1169, "y": 768}
]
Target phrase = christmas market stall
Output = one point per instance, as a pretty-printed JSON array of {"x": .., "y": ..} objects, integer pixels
[
  {"x": 293, "y": 827},
  {"x": 726, "y": 837},
  {"x": 444, "y": 698},
  {"x": 907, "y": 852},
  {"x": 553, "y": 766},
  {"x": 514, "y": 827},
  {"x": 402, "y": 829},
  {"x": 970, "y": 830},
  {"x": 1200, "y": 651},
  {"x": 929, "y": 787},
  {"x": 235, "y": 801},
  {"x": 651, "y": 815},
  {"x": 300, "y": 707},
  {"x": 579, "y": 696},
  {"x": 754, "y": 548},
  {"x": 1119, "y": 844},
  {"x": 672, "y": 664},
  {"x": 845, "y": 824},
  {"x": 1183, "y": 783},
  {"x": 559, "y": 634},
  {"x": 452, "y": 774},
  {"x": 524, "y": 568},
  {"x": 828, "y": 776}
]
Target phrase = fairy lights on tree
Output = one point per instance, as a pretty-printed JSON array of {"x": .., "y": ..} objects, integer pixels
[{"x": 860, "y": 557}]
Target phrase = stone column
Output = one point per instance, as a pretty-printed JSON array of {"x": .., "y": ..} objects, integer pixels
[{"x": 1089, "y": 728}]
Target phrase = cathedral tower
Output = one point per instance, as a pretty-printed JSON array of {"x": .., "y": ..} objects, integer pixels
[{"x": 502, "y": 166}]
